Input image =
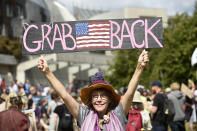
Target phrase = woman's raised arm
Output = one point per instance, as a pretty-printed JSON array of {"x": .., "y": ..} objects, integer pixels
[
  {"x": 69, "y": 101},
  {"x": 128, "y": 97}
]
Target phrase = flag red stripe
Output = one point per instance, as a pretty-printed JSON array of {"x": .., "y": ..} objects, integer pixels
[
  {"x": 107, "y": 27},
  {"x": 93, "y": 47},
  {"x": 93, "y": 39},
  {"x": 93, "y": 35},
  {"x": 93, "y": 43}
]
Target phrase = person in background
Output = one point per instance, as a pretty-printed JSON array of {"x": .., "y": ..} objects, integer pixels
[
  {"x": 178, "y": 100},
  {"x": 31, "y": 104},
  {"x": 15, "y": 86},
  {"x": 142, "y": 91},
  {"x": 4, "y": 98},
  {"x": 14, "y": 118},
  {"x": 2, "y": 102},
  {"x": 75, "y": 124},
  {"x": 52, "y": 105},
  {"x": 44, "y": 116},
  {"x": 137, "y": 107},
  {"x": 65, "y": 118},
  {"x": 159, "y": 122},
  {"x": 189, "y": 110},
  {"x": 167, "y": 90},
  {"x": 193, "y": 118},
  {"x": 45, "y": 90},
  {"x": 3, "y": 86},
  {"x": 26, "y": 87},
  {"x": 38, "y": 114}
]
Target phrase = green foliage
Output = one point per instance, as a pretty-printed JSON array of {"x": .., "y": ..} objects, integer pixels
[
  {"x": 124, "y": 64},
  {"x": 10, "y": 47},
  {"x": 169, "y": 64},
  {"x": 180, "y": 41}
]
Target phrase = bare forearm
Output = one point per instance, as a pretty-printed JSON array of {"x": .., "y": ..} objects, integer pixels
[
  {"x": 152, "y": 109},
  {"x": 134, "y": 82},
  {"x": 55, "y": 121},
  {"x": 70, "y": 102},
  {"x": 128, "y": 97}
]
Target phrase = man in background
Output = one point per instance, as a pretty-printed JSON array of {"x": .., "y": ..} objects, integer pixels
[{"x": 159, "y": 122}]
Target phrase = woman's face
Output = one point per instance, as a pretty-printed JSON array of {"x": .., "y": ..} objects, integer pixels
[{"x": 100, "y": 101}]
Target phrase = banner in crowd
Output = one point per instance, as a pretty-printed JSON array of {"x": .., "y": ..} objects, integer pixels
[
  {"x": 185, "y": 90},
  {"x": 76, "y": 36}
]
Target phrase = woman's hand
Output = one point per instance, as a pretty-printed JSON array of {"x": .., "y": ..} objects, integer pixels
[
  {"x": 42, "y": 65},
  {"x": 143, "y": 58}
]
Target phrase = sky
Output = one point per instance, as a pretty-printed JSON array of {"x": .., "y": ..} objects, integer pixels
[{"x": 172, "y": 6}]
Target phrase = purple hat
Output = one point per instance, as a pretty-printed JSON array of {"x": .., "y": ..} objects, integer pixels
[{"x": 97, "y": 81}]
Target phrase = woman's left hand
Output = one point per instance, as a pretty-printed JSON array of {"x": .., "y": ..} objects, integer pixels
[{"x": 143, "y": 58}]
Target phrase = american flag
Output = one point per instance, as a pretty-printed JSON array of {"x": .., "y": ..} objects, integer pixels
[{"x": 92, "y": 35}]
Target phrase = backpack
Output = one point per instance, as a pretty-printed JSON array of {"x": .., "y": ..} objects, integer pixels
[
  {"x": 135, "y": 121},
  {"x": 66, "y": 120},
  {"x": 169, "y": 110}
]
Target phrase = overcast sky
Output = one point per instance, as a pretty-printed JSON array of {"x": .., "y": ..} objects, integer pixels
[{"x": 172, "y": 6}]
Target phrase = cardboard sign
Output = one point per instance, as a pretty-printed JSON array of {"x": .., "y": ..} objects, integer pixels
[
  {"x": 185, "y": 90},
  {"x": 75, "y": 36}
]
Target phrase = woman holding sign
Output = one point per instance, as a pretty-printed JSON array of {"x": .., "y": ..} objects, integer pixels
[{"x": 103, "y": 109}]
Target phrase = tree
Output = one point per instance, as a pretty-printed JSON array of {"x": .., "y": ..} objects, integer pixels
[
  {"x": 180, "y": 41},
  {"x": 11, "y": 47},
  {"x": 169, "y": 64}
]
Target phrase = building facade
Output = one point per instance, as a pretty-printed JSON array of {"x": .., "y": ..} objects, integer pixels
[{"x": 69, "y": 66}]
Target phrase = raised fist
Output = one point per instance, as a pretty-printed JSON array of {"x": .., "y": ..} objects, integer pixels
[
  {"x": 143, "y": 58},
  {"x": 42, "y": 65}
]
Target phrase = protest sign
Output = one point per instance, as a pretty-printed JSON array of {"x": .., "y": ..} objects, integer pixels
[
  {"x": 185, "y": 90},
  {"x": 75, "y": 36}
]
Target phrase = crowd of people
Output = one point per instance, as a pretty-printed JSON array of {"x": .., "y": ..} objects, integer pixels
[
  {"x": 98, "y": 106},
  {"x": 41, "y": 104}
]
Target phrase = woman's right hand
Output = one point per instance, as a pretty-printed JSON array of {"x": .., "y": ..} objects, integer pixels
[{"x": 42, "y": 65}]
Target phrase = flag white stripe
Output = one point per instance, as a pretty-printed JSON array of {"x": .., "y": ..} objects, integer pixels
[
  {"x": 98, "y": 33},
  {"x": 89, "y": 37},
  {"x": 89, "y": 45},
  {"x": 89, "y": 41},
  {"x": 98, "y": 25},
  {"x": 99, "y": 29}
]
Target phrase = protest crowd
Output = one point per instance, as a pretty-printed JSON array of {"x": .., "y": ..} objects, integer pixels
[{"x": 43, "y": 108}]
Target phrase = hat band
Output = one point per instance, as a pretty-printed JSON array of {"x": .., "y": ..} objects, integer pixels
[{"x": 99, "y": 82}]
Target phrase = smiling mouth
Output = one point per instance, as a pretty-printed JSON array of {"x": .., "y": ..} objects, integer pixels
[{"x": 99, "y": 104}]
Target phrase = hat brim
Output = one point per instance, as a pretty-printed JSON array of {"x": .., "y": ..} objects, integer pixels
[
  {"x": 137, "y": 101},
  {"x": 85, "y": 93}
]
